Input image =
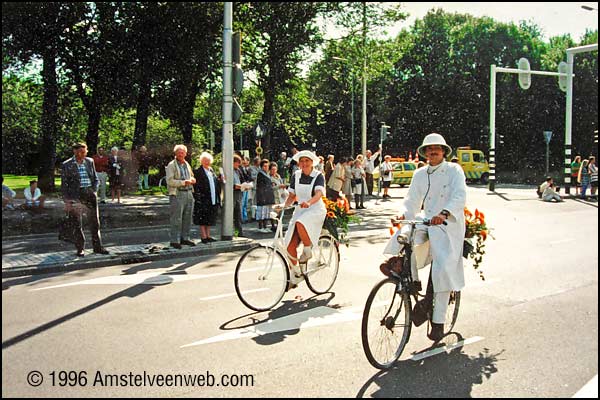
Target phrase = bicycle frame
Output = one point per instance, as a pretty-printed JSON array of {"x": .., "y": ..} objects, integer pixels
[
  {"x": 405, "y": 279},
  {"x": 278, "y": 245}
]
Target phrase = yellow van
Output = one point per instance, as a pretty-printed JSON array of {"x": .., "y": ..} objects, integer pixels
[{"x": 474, "y": 164}]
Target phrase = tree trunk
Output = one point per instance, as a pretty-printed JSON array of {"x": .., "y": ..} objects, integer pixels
[
  {"x": 91, "y": 138},
  {"x": 141, "y": 117},
  {"x": 49, "y": 122},
  {"x": 186, "y": 120},
  {"x": 269, "y": 121}
]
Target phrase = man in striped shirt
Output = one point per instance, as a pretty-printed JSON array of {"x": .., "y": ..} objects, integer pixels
[{"x": 79, "y": 186}]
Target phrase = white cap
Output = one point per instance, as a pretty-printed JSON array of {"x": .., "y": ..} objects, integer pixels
[
  {"x": 307, "y": 154},
  {"x": 433, "y": 139}
]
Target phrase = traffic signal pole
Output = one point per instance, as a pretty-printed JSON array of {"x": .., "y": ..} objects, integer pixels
[
  {"x": 569, "y": 108},
  {"x": 227, "y": 144},
  {"x": 492, "y": 152}
]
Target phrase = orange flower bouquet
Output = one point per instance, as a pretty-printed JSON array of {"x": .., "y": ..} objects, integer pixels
[
  {"x": 338, "y": 217},
  {"x": 475, "y": 230}
]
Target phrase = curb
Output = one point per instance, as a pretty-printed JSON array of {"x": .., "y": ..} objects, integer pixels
[{"x": 130, "y": 258}]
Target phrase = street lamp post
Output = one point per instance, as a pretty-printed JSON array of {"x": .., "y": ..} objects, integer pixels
[{"x": 352, "y": 106}]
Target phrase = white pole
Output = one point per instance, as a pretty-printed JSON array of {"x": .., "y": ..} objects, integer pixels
[
  {"x": 569, "y": 108},
  {"x": 568, "y": 121},
  {"x": 364, "y": 77},
  {"x": 492, "y": 181},
  {"x": 227, "y": 231}
]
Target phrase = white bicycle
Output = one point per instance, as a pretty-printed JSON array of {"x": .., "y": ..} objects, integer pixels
[{"x": 262, "y": 275}]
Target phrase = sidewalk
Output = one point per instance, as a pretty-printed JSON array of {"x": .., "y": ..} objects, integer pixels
[
  {"x": 134, "y": 213},
  {"x": 31, "y": 264}
]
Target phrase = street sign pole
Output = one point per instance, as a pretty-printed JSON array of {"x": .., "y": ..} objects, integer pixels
[
  {"x": 547, "y": 137},
  {"x": 227, "y": 231}
]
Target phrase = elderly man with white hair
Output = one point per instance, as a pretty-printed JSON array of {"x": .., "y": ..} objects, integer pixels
[{"x": 180, "y": 183}]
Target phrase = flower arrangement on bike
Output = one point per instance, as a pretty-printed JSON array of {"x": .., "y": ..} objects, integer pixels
[
  {"x": 338, "y": 217},
  {"x": 475, "y": 227}
]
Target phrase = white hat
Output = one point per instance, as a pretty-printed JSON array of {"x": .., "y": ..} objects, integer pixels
[
  {"x": 308, "y": 154},
  {"x": 433, "y": 139}
]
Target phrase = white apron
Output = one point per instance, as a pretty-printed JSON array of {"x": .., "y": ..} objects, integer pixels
[{"x": 312, "y": 217}]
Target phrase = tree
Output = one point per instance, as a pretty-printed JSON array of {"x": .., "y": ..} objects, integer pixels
[
  {"x": 195, "y": 55},
  {"x": 35, "y": 30},
  {"x": 276, "y": 34},
  {"x": 95, "y": 53}
]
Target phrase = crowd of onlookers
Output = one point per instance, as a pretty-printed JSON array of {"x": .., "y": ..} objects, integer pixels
[{"x": 259, "y": 184}]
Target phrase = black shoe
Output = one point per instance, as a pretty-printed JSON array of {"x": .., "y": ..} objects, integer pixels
[
  {"x": 175, "y": 245},
  {"x": 210, "y": 239},
  {"x": 80, "y": 253},
  {"x": 437, "y": 332},
  {"x": 204, "y": 240},
  {"x": 188, "y": 242},
  {"x": 101, "y": 250}
]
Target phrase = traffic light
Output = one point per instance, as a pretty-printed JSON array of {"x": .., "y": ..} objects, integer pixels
[
  {"x": 237, "y": 75},
  {"x": 385, "y": 133},
  {"x": 596, "y": 137}
]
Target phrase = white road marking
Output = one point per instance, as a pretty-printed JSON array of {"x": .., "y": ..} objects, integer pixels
[
  {"x": 439, "y": 350},
  {"x": 562, "y": 241},
  {"x": 221, "y": 296},
  {"x": 589, "y": 391},
  {"x": 317, "y": 316},
  {"x": 139, "y": 279}
]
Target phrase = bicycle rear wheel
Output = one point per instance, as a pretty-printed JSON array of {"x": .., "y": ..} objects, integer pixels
[
  {"x": 386, "y": 324},
  {"x": 322, "y": 267},
  {"x": 261, "y": 278},
  {"x": 452, "y": 312}
]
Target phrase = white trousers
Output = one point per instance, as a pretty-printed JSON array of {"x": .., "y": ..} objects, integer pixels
[{"x": 421, "y": 256}]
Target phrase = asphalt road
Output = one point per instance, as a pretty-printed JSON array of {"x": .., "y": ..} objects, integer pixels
[{"x": 529, "y": 330}]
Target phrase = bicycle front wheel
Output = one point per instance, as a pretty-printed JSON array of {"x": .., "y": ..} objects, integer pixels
[
  {"x": 261, "y": 278},
  {"x": 386, "y": 324},
  {"x": 452, "y": 312},
  {"x": 322, "y": 267}
]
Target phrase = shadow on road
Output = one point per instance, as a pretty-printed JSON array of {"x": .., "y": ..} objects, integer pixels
[
  {"x": 131, "y": 292},
  {"x": 289, "y": 308},
  {"x": 451, "y": 375}
]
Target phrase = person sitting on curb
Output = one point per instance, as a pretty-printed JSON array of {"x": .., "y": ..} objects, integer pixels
[
  {"x": 8, "y": 196},
  {"x": 548, "y": 191},
  {"x": 34, "y": 200}
]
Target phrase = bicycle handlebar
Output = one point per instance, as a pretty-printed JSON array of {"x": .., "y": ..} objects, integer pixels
[{"x": 424, "y": 221}]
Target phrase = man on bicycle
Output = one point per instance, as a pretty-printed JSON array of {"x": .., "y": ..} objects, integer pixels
[{"x": 438, "y": 192}]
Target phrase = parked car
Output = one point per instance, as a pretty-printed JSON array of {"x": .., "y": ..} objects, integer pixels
[{"x": 401, "y": 175}]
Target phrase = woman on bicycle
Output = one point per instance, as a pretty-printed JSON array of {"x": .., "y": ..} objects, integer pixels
[{"x": 307, "y": 186}]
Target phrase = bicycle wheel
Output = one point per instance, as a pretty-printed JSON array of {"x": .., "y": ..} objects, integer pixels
[
  {"x": 322, "y": 267},
  {"x": 452, "y": 312},
  {"x": 261, "y": 278},
  {"x": 386, "y": 324}
]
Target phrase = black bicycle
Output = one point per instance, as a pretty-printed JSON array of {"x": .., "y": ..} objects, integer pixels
[{"x": 388, "y": 315}]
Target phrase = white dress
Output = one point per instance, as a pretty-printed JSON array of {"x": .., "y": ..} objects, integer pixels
[{"x": 312, "y": 217}]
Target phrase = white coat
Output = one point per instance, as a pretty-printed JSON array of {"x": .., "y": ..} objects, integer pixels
[{"x": 435, "y": 189}]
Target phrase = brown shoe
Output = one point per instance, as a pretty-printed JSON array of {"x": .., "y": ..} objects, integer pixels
[{"x": 437, "y": 332}]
